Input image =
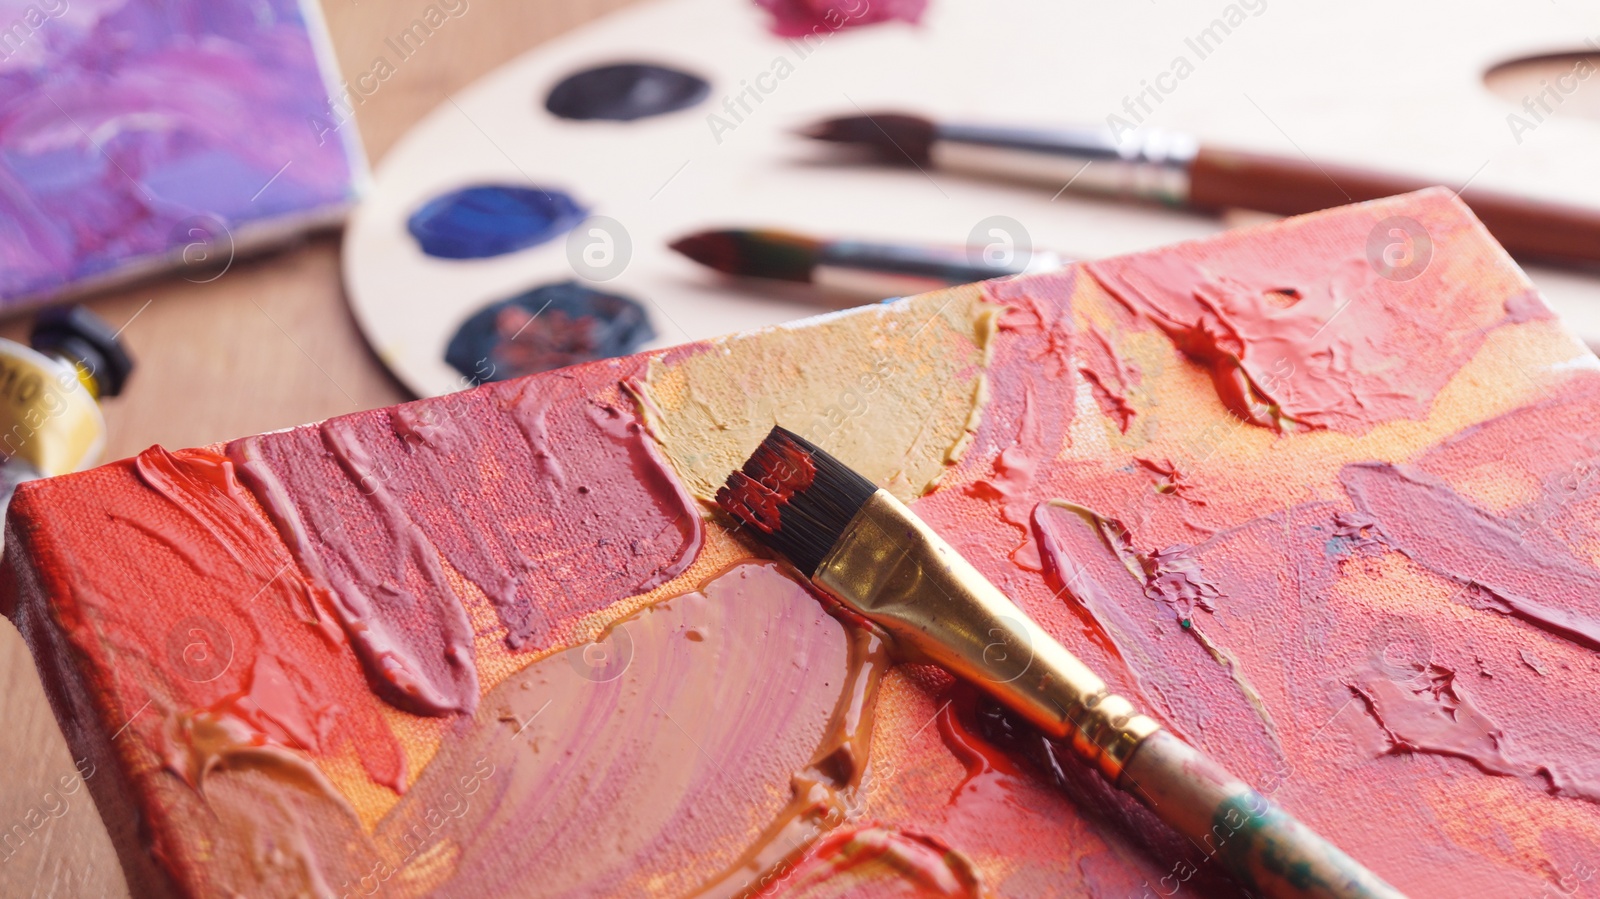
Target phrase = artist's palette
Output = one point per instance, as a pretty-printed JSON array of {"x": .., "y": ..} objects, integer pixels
[{"x": 1397, "y": 88}]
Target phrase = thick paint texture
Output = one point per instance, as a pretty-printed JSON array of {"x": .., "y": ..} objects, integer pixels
[
  {"x": 492, "y": 220},
  {"x": 549, "y": 502},
  {"x": 869, "y": 366},
  {"x": 651, "y": 776},
  {"x": 220, "y": 656},
  {"x": 1275, "y": 329},
  {"x": 1378, "y": 606},
  {"x": 800, "y": 18},
  {"x": 624, "y": 92},
  {"x": 880, "y": 861},
  {"x": 278, "y": 695},
  {"x": 547, "y": 327},
  {"x": 1144, "y": 606},
  {"x": 133, "y": 130}
]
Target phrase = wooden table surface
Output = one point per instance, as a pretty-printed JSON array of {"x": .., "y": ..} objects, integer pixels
[{"x": 268, "y": 345}]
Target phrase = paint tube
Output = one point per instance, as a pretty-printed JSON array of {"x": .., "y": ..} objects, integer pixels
[{"x": 50, "y": 391}]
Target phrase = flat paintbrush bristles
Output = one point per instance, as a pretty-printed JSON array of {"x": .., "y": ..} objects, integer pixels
[
  {"x": 891, "y": 136},
  {"x": 798, "y": 499}
]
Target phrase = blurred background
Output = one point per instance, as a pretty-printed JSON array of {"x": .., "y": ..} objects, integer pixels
[{"x": 1496, "y": 96}]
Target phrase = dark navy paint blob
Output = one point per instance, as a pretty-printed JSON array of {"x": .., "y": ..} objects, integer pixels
[
  {"x": 624, "y": 92},
  {"x": 547, "y": 327},
  {"x": 491, "y": 220}
]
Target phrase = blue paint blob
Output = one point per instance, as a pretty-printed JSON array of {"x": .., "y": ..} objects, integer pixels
[
  {"x": 492, "y": 220},
  {"x": 547, "y": 327},
  {"x": 624, "y": 92}
]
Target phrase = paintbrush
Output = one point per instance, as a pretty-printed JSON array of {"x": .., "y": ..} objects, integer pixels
[
  {"x": 1177, "y": 169},
  {"x": 865, "y": 549},
  {"x": 857, "y": 267}
]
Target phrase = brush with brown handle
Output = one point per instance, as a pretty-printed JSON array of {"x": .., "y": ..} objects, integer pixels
[
  {"x": 864, "y": 548},
  {"x": 1176, "y": 169}
]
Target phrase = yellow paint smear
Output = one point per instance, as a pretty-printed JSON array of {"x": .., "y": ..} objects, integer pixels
[{"x": 895, "y": 391}]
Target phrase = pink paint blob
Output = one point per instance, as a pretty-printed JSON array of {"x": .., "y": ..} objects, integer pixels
[{"x": 820, "y": 18}]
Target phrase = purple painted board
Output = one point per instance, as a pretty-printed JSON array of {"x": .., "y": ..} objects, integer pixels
[{"x": 141, "y": 134}]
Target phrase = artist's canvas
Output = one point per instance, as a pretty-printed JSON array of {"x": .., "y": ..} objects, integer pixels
[
  {"x": 141, "y": 134},
  {"x": 1320, "y": 499}
]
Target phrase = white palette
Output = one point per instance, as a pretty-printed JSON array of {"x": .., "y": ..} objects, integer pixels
[{"x": 1397, "y": 86}]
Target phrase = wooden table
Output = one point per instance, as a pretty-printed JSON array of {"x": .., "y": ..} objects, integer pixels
[{"x": 268, "y": 345}]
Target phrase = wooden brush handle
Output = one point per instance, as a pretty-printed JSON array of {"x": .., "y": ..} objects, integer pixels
[
  {"x": 1286, "y": 185},
  {"x": 1261, "y": 845}
]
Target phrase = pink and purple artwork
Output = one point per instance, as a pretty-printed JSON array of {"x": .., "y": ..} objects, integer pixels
[{"x": 137, "y": 135}]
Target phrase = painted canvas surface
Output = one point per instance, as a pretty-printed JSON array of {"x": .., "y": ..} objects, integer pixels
[
  {"x": 141, "y": 134},
  {"x": 1332, "y": 518}
]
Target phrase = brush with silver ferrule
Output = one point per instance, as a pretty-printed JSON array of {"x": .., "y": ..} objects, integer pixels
[
  {"x": 856, "y": 267},
  {"x": 861, "y": 546},
  {"x": 1178, "y": 169}
]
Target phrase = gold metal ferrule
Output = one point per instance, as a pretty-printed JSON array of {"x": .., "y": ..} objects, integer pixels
[{"x": 893, "y": 569}]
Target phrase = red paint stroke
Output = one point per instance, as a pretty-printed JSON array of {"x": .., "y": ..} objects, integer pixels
[
  {"x": 1026, "y": 414},
  {"x": 1110, "y": 378},
  {"x": 528, "y": 489},
  {"x": 1142, "y": 605},
  {"x": 252, "y": 729},
  {"x": 1433, "y": 713},
  {"x": 983, "y": 761},
  {"x": 1436, "y": 687},
  {"x": 1173, "y": 575},
  {"x": 1189, "y": 304},
  {"x": 1420, "y": 516},
  {"x": 388, "y": 591},
  {"x": 269, "y": 707},
  {"x": 1303, "y": 332},
  {"x": 1014, "y": 469},
  {"x": 189, "y": 599},
  {"x": 880, "y": 861},
  {"x": 1038, "y": 315},
  {"x": 1169, "y": 479},
  {"x": 820, "y": 18},
  {"x": 1503, "y": 566},
  {"x": 1034, "y": 387}
]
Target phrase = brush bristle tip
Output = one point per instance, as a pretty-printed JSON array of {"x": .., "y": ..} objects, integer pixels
[{"x": 798, "y": 499}]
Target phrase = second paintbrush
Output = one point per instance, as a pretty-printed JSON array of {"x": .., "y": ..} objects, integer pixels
[
  {"x": 856, "y": 267},
  {"x": 1177, "y": 168}
]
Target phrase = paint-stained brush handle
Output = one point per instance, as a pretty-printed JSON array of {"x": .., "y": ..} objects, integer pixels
[
  {"x": 1285, "y": 185},
  {"x": 890, "y": 567},
  {"x": 862, "y": 546},
  {"x": 1261, "y": 845}
]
